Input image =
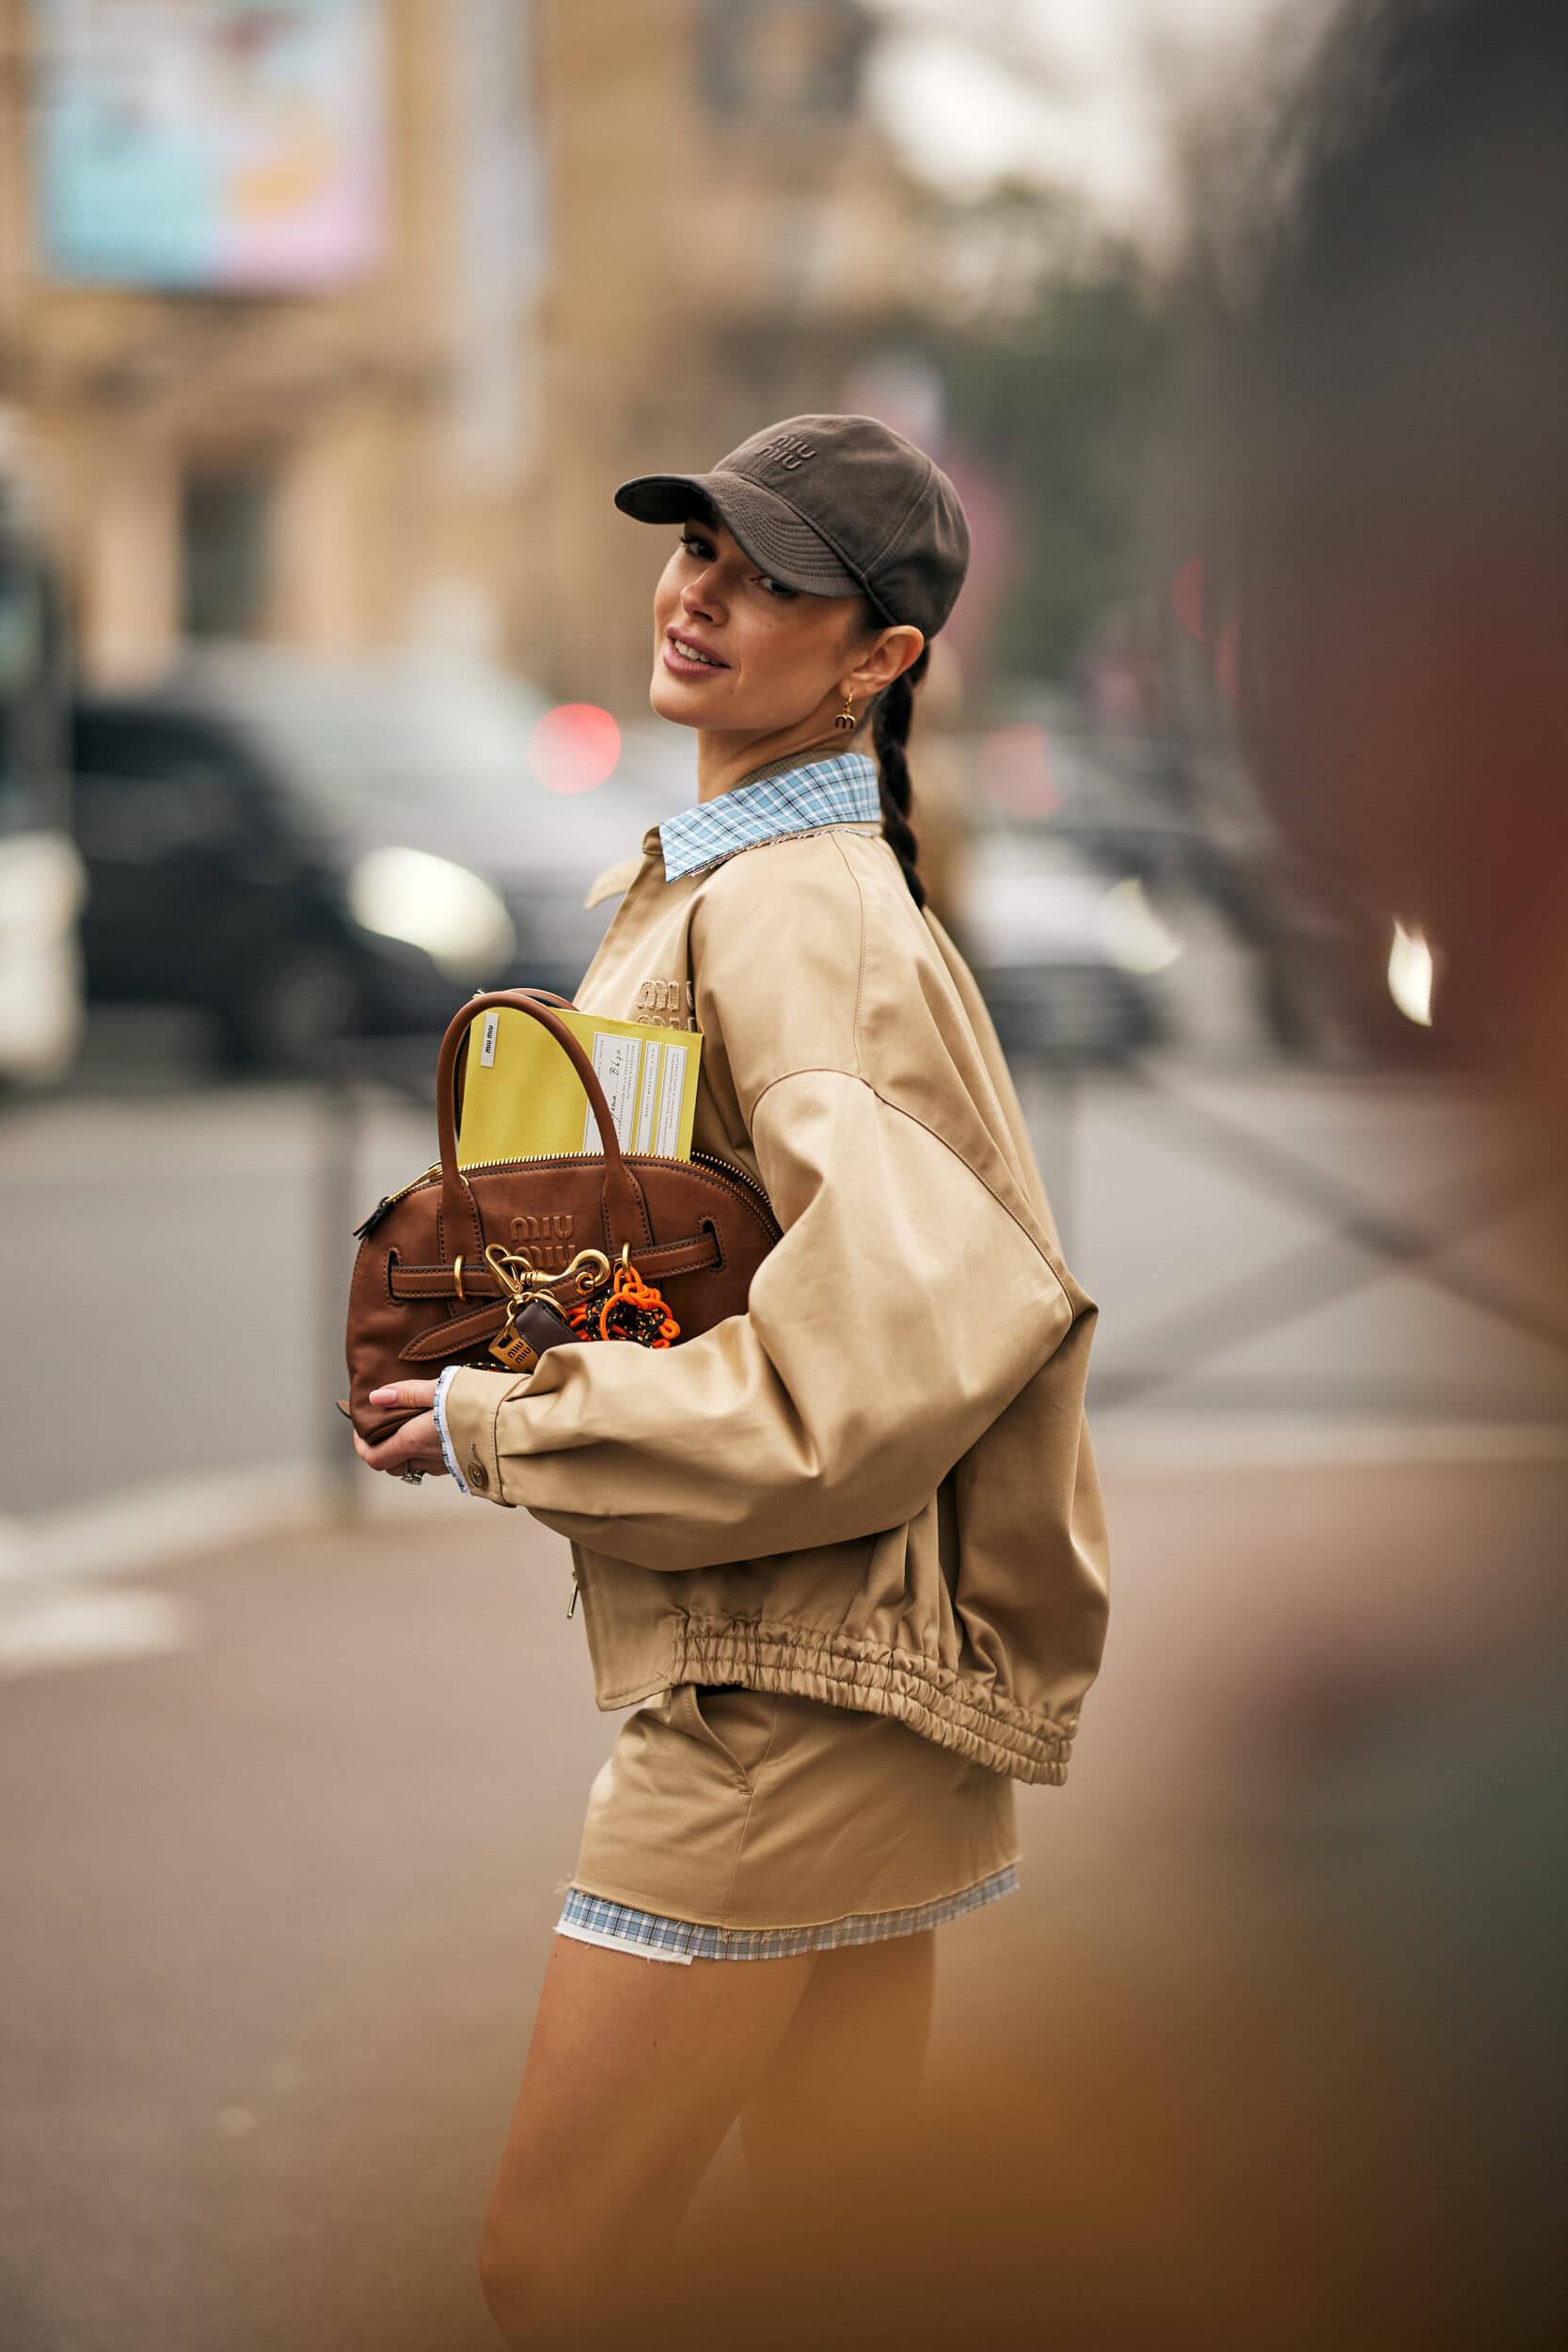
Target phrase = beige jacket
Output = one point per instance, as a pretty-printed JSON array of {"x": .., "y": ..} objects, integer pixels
[{"x": 876, "y": 1486}]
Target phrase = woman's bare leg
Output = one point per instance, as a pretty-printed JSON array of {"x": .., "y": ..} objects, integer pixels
[
  {"x": 635, "y": 2071},
  {"x": 838, "y": 2103}
]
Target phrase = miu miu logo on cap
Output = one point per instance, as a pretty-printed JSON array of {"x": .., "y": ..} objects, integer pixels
[{"x": 788, "y": 450}]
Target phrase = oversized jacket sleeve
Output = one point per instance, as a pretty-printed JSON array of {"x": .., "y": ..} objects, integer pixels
[{"x": 903, "y": 1308}]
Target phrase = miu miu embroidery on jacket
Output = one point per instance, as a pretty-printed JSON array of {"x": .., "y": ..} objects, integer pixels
[{"x": 667, "y": 1004}]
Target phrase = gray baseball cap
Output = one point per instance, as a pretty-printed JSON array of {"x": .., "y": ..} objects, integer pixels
[{"x": 832, "y": 506}]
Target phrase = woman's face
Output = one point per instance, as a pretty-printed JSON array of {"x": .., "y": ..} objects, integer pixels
[{"x": 777, "y": 659}]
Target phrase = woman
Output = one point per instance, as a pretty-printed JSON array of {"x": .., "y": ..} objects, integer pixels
[{"x": 845, "y": 1550}]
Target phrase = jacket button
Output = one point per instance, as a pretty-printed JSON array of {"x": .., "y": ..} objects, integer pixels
[{"x": 478, "y": 1476}]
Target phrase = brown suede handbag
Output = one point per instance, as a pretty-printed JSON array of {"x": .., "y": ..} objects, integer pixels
[{"x": 425, "y": 1292}]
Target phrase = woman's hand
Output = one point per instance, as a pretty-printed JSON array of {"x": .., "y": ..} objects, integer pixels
[{"x": 416, "y": 1442}]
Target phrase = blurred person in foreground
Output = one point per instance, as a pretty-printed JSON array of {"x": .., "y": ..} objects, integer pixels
[
  {"x": 1388, "y": 479},
  {"x": 1334, "y": 2114},
  {"x": 1329, "y": 2109},
  {"x": 1385, "y": 470},
  {"x": 846, "y": 1549}
]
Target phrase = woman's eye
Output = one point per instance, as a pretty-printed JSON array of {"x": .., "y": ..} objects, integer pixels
[
  {"x": 776, "y": 587},
  {"x": 694, "y": 546}
]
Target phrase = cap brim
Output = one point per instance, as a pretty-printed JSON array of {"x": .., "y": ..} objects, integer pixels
[{"x": 765, "y": 525}]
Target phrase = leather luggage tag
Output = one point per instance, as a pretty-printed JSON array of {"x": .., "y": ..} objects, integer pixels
[{"x": 532, "y": 1328}]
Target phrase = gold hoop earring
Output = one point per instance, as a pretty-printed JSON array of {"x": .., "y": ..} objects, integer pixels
[{"x": 847, "y": 716}]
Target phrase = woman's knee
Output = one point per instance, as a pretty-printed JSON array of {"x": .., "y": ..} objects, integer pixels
[
  {"x": 531, "y": 2283},
  {"x": 549, "y": 2284},
  {"x": 505, "y": 2284}
]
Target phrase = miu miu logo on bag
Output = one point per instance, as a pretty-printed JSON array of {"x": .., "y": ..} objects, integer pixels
[{"x": 544, "y": 1238}]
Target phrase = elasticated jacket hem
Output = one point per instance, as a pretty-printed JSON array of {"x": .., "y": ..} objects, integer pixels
[{"x": 938, "y": 1702}]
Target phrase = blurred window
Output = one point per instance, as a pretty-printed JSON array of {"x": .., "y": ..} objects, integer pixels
[
  {"x": 435, "y": 752},
  {"x": 223, "y": 530},
  {"x": 134, "y": 744},
  {"x": 782, "y": 60},
  {"x": 405, "y": 741},
  {"x": 149, "y": 783}
]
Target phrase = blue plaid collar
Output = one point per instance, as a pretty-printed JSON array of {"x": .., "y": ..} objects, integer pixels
[{"x": 839, "y": 790}]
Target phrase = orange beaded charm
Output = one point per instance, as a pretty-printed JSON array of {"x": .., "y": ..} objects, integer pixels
[{"x": 631, "y": 1309}]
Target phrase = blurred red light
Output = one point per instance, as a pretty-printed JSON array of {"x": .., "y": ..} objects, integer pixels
[
  {"x": 1186, "y": 602},
  {"x": 574, "y": 747}
]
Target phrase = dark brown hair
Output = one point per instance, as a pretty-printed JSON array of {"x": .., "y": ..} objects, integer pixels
[{"x": 892, "y": 715}]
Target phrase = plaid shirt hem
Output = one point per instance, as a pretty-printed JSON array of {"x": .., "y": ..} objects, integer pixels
[
  {"x": 621, "y": 1928},
  {"x": 842, "y": 790}
]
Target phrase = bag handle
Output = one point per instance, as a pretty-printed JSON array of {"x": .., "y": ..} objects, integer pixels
[{"x": 625, "y": 1212}]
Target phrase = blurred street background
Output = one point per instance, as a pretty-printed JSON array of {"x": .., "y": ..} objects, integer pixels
[{"x": 327, "y": 329}]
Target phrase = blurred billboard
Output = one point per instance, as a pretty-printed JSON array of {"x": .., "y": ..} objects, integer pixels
[{"x": 226, "y": 145}]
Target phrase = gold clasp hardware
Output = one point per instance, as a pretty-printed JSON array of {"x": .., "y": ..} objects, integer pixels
[
  {"x": 521, "y": 1278},
  {"x": 588, "y": 1269},
  {"x": 516, "y": 1276}
]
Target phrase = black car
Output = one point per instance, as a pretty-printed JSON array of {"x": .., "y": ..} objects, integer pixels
[
  {"x": 204, "y": 886},
  {"x": 310, "y": 850}
]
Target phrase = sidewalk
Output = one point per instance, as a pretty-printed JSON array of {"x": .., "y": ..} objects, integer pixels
[{"x": 280, "y": 1885}]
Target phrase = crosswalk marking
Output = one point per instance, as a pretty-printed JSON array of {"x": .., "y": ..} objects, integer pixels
[{"x": 42, "y": 1630}]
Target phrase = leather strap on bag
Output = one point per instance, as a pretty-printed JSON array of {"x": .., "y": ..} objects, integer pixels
[
  {"x": 698, "y": 1255},
  {"x": 624, "y": 1214}
]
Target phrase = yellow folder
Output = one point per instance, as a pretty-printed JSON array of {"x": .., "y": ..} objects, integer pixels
[{"x": 523, "y": 1100}]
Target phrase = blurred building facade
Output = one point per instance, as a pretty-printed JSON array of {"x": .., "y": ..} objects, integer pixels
[
  {"x": 334, "y": 322},
  {"x": 255, "y": 352}
]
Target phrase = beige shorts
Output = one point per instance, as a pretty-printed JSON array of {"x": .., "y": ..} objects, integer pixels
[{"x": 754, "y": 1812}]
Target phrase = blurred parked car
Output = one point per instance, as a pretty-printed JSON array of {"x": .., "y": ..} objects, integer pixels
[
  {"x": 1274, "y": 959},
  {"x": 312, "y": 849},
  {"x": 1065, "y": 966}
]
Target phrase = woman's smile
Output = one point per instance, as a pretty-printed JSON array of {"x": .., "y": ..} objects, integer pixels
[{"x": 686, "y": 658}]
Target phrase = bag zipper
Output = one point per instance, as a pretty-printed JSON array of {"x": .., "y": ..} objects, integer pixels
[
  {"x": 724, "y": 1169},
  {"x": 390, "y": 1200},
  {"x": 721, "y": 1168}
]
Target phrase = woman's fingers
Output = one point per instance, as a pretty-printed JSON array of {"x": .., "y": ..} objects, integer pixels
[{"x": 417, "y": 1442}]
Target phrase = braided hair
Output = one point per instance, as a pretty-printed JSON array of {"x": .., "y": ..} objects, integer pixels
[{"x": 891, "y": 716}]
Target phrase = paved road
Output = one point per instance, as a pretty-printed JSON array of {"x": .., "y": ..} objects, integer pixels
[
  {"x": 174, "y": 1255},
  {"x": 277, "y": 1900}
]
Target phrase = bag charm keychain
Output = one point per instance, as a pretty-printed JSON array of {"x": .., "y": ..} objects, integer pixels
[
  {"x": 526, "y": 1285},
  {"x": 631, "y": 1309},
  {"x": 623, "y": 1307}
]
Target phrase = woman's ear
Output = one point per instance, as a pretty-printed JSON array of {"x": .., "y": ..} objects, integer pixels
[{"x": 895, "y": 650}]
